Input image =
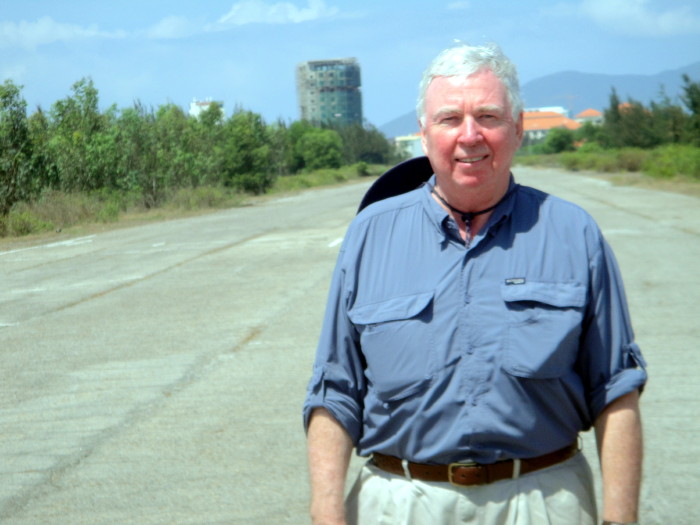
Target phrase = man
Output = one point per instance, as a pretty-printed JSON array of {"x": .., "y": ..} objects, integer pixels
[{"x": 479, "y": 322}]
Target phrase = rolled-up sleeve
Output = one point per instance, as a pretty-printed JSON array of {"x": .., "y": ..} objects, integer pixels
[
  {"x": 337, "y": 382},
  {"x": 610, "y": 361}
]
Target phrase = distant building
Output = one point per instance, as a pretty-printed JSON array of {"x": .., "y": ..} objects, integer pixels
[
  {"x": 329, "y": 92},
  {"x": 411, "y": 145},
  {"x": 197, "y": 107},
  {"x": 593, "y": 116},
  {"x": 548, "y": 109},
  {"x": 538, "y": 123}
]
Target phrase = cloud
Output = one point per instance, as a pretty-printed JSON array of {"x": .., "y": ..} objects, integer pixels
[
  {"x": 458, "y": 6},
  {"x": 15, "y": 72},
  {"x": 30, "y": 35},
  {"x": 639, "y": 18},
  {"x": 172, "y": 27},
  {"x": 259, "y": 12}
]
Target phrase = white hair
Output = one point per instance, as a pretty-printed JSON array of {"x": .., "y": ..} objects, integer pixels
[{"x": 464, "y": 61}]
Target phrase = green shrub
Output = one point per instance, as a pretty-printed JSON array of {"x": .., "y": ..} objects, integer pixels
[
  {"x": 664, "y": 162},
  {"x": 631, "y": 159},
  {"x": 672, "y": 160},
  {"x": 590, "y": 147},
  {"x": 530, "y": 157},
  {"x": 362, "y": 169},
  {"x": 202, "y": 197},
  {"x": 572, "y": 161},
  {"x": 255, "y": 183},
  {"x": 558, "y": 140},
  {"x": 109, "y": 212},
  {"x": 605, "y": 162},
  {"x": 65, "y": 209},
  {"x": 22, "y": 221}
]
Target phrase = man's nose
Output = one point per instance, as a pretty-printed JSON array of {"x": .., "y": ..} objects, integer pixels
[{"x": 470, "y": 131}]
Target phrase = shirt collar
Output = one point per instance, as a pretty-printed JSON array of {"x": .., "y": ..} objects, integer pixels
[{"x": 441, "y": 219}]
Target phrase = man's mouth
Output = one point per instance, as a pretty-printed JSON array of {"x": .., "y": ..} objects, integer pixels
[{"x": 471, "y": 160}]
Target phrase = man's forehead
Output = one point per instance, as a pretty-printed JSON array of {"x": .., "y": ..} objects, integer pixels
[
  {"x": 484, "y": 92},
  {"x": 459, "y": 108},
  {"x": 460, "y": 78}
]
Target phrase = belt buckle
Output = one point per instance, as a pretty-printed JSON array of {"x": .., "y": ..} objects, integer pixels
[{"x": 452, "y": 466}]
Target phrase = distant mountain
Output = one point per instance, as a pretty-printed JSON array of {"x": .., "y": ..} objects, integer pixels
[
  {"x": 578, "y": 91},
  {"x": 404, "y": 125}
]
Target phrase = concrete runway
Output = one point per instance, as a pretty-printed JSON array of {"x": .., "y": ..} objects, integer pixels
[{"x": 155, "y": 375}]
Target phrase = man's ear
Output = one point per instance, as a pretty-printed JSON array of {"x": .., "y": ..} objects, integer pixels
[
  {"x": 520, "y": 127},
  {"x": 423, "y": 140}
]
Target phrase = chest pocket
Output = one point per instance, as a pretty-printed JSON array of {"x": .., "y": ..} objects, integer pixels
[
  {"x": 544, "y": 325},
  {"x": 396, "y": 340}
]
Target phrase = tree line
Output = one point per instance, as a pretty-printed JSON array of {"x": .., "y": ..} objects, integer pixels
[
  {"x": 75, "y": 147},
  {"x": 632, "y": 124}
]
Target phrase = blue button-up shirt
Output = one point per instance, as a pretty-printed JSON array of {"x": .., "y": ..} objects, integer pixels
[{"x": 435, "y": 351}]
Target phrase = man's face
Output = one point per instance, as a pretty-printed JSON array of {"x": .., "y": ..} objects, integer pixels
[{"x": 469, "y": 134}]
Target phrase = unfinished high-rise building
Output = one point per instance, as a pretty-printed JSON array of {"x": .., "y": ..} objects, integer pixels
[{"x": 329, "y": 91}]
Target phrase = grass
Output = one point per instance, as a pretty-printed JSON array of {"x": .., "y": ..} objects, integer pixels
[
  {"x": 325, "y": 177},
  {"x": 672, "y": 168},
  {"x": 86, "y": 212}
]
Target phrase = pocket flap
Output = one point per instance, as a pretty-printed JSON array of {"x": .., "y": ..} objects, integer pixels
[
  {"x": 561, "y": 295},
  {"x": 393, "y": 309}
]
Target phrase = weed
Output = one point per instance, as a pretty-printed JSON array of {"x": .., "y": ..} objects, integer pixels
[{"x": 22, "y": 221}]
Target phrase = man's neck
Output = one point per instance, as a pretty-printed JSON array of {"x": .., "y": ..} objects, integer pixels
[{"x": 469, "y": 220}]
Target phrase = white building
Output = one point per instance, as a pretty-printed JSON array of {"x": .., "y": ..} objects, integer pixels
[
  {"x": 548, "y": 109},
  {"x": 410, "y": 144},
  {"x": 197, "y": 107}
]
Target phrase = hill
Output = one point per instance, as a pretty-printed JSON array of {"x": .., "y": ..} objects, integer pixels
[{"x": 578, "y": 91}]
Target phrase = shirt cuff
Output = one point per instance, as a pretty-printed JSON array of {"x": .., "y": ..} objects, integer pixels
[
  {"x": 342, "y": 407},
  {"x": 623, "y": 383}
]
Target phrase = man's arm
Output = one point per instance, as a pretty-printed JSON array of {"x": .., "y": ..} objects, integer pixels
[
  {"x": 329, "y": 448},
  {"x": 618, "y": 432}
]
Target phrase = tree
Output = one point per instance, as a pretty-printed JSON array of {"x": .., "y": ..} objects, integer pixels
[
  {"x": 76, "y": 122},
  {"x": 184, "y": 149},
  {"x": 629, "y": 125},
  {"x": 669, "y": 121},
  {"x": 364, "y": 144},
  {"x": 74, "y": 147},
  {"x": 138, "y": 168},
  {"x": 296, "y": 131},
  {"x": 15, "y": 147},
  {"x": 43, "y": 168},
  {"x": 558, "y": 140},
  {"x": 212, "y": 116},
  {"x": 321, "y": 148},
  {"x": 247, "y": 158},
  {"x": 691, "y": 99},
  {"x": 590, "y": 133},
  {"x": 280, "y": 148},
  {"x": 612, "y": 118},
  {"x": 637, "y": 129}
]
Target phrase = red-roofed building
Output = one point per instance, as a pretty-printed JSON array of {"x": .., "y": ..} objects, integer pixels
[
  {"x": 538, "y": 123},
  {"x": 590, "y": 115}
]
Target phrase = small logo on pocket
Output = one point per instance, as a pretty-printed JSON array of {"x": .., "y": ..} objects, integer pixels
[{"x": 515, "y": 280}]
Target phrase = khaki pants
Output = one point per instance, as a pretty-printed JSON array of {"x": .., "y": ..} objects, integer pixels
[{"x": 559, "y": 495}]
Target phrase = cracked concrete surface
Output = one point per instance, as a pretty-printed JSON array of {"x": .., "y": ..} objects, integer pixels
[{"x": 155, "y": 374}]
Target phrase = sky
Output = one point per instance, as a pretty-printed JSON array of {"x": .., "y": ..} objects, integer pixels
[{"x": 244, "y": 53}]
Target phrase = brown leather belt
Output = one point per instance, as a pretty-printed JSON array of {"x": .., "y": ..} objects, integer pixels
[{"x": 467, "y": 474}]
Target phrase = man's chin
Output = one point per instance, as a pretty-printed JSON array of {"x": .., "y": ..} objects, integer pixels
[{"x": 471, "y": 180}]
